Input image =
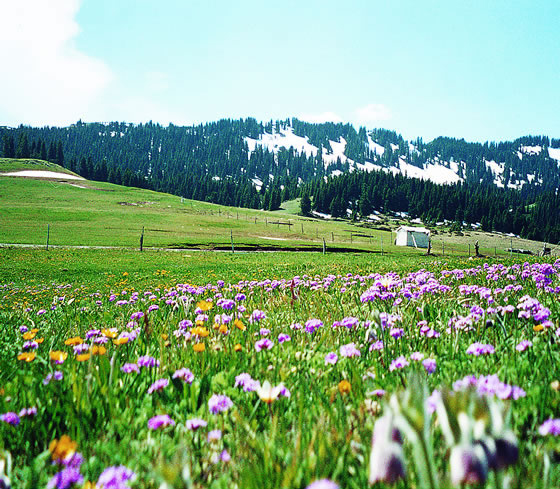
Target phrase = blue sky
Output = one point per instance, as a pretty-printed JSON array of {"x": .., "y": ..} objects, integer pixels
[{"x": 479, "y": 70}]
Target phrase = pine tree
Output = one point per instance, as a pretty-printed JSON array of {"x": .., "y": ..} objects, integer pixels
[
  {"x": 22, "y": 150},
  {"x": 305, "y": 204},
  {"x": 9, "y": 146}
]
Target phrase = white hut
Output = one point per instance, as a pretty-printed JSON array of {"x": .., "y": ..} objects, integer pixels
[{"x": 412, "y": 236}]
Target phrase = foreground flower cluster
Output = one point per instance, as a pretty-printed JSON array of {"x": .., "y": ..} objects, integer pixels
[{"x": 283, "y": 383}]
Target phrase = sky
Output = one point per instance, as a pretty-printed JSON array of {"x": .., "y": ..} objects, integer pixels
[{"x": 478, "y": 70}]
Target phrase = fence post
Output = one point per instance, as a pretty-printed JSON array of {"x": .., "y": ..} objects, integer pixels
[
  {"x": 231, "y": 236},
  {"x": 381, "y": 245},
  {"x": 48, "y": 235},
  {"x": 324, "y": 246},
  {"x": 332, "y": 236},
  {"x": 142, "y": 239},
  {"x": 442, "y": 247}
]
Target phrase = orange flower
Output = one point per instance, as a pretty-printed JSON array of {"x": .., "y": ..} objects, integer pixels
[
  {"x": 344, "y": 387},
  {"x": 34, "y": 330},
  {"x": 204, "y": 305},
  {"x": 164, "y": 336},
  {"x": 98, "y": 350},
  {"x": 29, "y": 335},
  {"x": 538, "y": 327},
  {"x": 110, "y": 333},
  {"x": 83, "y": 357},
  {"x": 40, "y": 340},
  {"x": 238, "y": 324},
  {"x": 223, "y": 329},
  {"x": 120, "y": 341},
  {"x": 62, "y": 449},
  {"x": 238, "y": 347},
  {"x": 74, "y": 341},
  {"x": 27, "y": 356},
  {"x": 199, "y": 347},
  {"x": 58, "y": 356},
  {"x": 200, "y": 331}
]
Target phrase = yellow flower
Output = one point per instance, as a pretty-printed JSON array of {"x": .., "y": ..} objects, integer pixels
[
  {"x": 29, "y": 335},
  {"x": 62, "y": 449},
  {"x": 27, "y": 356},
  {"x": 34, "y": 330},
  {"x": 40, "y": 340},
  {"x": 538, "y": 327},
  {"x": 239, "y": 325},
  {"x": 238, "y": 347},
  {"x": 344, "y": 386},
  {"x": 98, "y": 350},
  {"x": 83, "y": 357},
  {"x": 204, "y": 305},
  {"x": 199, "y": 347},
  {"x": 223, "y": 329},
  {"x": 164, "y": 336},
  {"x": 58, "y": 356},
  {"x": 74, "y": 341},
  {"x": 200, "y": 331},
  {"x": 120, "y": 341},
  {"x": 110, "y": 333}
]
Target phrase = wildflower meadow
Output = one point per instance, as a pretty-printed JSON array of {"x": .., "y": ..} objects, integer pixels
[{"x": 413, "y": 378}]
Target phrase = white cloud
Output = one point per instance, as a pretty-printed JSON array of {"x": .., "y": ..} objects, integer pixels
[
  {"x": 45, "y": 78},
  {"x": 319, "y": 118},
  {"x": 372, "y": 113}
]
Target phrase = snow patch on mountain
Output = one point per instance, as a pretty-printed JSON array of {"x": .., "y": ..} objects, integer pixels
[
  {"x": 554, "y": 153},
  {"x": 531, "y": 150},
  {"x": 434, "y": 172}
]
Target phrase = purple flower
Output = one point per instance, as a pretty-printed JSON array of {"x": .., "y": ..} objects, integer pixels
[
  {"x": 195, "y": 423},
  {"x": 478, "y": 349},
  {"x": 349, "y": 350},
  {"x": 257, "y": 316},
  {"x": 323, "y": 484},
  {"x": 153, "y": 307},
  {"x": 398, "y": 363},
  {"x": 523, "y": 345},
  {"x": 65, "y": 478},
  {"x": 247, "y": 382},
  {"x": 32, "y": 411},
  {"x": 430, "y": 365},
  {"x": 468, "y": 465},
  {"x": 376, "y": 345},
  {"x": 331, "y": 358},
  {"x": 158, "y": 385},
  {"x": 225, "y": 456},
  {"x": 349, "y": 322},
  {"x": 417, "y": 356},
  {"x": 219, "y": 403},
  {"x": 550, "y": 427},
  {"x": 282, "y": 337},
  {"x": 128, "y": 368},
  {"x": 313, "y": 325},
  {"x": 214, "y": 435},
  {"x": 396, "y": 332},
  {"x": 147, "y": 362},
  {"x": 264, "y": 344},
  {"x": 184, "y": 374},
  {"x": 10, "y": 418},
  {"x": 160, "y": 421},
  {"x": 115, "y": 478}
]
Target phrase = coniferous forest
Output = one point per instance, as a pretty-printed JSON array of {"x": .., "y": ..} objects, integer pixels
[{"x": 216, "y": 162}]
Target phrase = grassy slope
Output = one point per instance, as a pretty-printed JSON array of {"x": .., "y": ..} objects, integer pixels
[{"x": 102, "y": 214}]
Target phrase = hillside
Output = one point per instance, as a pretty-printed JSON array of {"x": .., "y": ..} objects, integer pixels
[{"x": 91, "y": 213}]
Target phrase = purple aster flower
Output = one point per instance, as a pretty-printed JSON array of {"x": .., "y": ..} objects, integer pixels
[
  {"x": 219, "y": 403},
  {"x": 331, "y": 358},
  {"x": 323, "y": 484},
  {"x": 92, "y": 332},
  {"x": 282, "y": 337},
  {"x": 349, "y": 322},
  {"x": 184, "y": 374},
  {"x": 396, "y": 332},
  {"x": 32, "y": 411},
  {"x": 523, "y": 345},
  {"x": 153, "y": 307},
  {"x": 397, "y": 363},
  {"x": 478, "y": 349},
  {"x": 349, "y": 350},
  {"x": 158, "y": 385},
  {"x": 247, "y": 382},
  {"x": 313, "y": 325},
  {"x": 40, "y": 312},
  {"x": 23, "y": 329},
  {"x": 214, "y": 435},
  {"x": 10, "y": 418},
  {"x": 417, "y": 356},
  {"x": 160, "y": 421},
  {"x": 264, "y": 344},
  {"x": 226, "y": 304},
  {"x": 195, "y": 423},
  {"x": 225, "y": 456},
  {"x": 430, "y": 365},
  {"x": 264, "y": 332},
  {"x": 115, "y": 478},
  {"x": 65, "y": 478},
  {"x": 257, "y": 316},
  {"x": 376, "y": 345},
  {"x": 147, "y": 362},
  {"x": 128, "y": 368},
  {"x": 81, "y": 348},
  {"x": 377, "y": 393},
  {"x": 550, "y": 427}
]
